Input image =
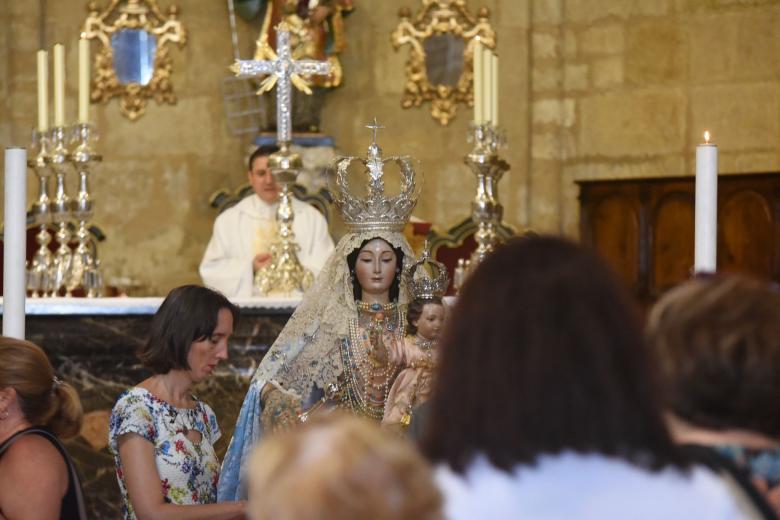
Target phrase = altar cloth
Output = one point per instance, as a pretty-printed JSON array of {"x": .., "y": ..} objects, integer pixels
[{"x": 64, "y": 306}]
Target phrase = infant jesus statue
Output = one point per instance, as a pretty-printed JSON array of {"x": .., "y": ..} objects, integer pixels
[{"x": 416, "y": 353}]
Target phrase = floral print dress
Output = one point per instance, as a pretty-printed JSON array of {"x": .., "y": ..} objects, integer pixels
[{"x": 189, "y": 471}]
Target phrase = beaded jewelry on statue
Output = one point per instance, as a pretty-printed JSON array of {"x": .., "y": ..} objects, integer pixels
[
  {"x": 424, "y": 344},
  {"x": 374, "y": 307},
  {"x": 368, "y": 380}
]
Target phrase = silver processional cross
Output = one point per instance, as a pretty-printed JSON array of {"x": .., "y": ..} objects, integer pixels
[{"x": 284, "y": 71}]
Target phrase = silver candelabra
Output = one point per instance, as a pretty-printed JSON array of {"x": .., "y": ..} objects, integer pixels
[
  {"x": 39, "y": 272},
  {"x": 85, "y": 265},
  {"x": 67, "y": 269},
  {"x": 486, "y": 210}
]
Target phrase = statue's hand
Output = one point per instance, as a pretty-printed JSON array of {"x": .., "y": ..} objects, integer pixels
[{"x": 280, "y": 410}]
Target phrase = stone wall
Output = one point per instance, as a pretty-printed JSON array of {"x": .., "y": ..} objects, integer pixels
[
  {"x": 589, "y": 90},
  {"x": 626, "y": 89}
]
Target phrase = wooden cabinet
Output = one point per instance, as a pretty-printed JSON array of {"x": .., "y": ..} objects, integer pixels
[{"x": 645, "y": 228}]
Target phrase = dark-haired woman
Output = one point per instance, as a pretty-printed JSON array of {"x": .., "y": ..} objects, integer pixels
[
  {"x": 162, "y": 437},
  {"x": 546, "y": 405},
  {"x": 37, "y": 477}
]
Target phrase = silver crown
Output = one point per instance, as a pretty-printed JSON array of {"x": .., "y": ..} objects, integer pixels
[
  {"x": 376, "y": 211},
  {"x": 427, "y": 279}
]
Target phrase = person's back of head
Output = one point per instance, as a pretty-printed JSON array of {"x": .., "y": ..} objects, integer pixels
[
  {"x": 340, "y": 466},
  {"x": 43, "y": 399},
  {"x": 718, "y": 340},
  {"x": 543, "y": 353}
]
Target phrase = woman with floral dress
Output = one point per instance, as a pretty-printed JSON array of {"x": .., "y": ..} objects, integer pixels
[{"x": 162, "y": 437}]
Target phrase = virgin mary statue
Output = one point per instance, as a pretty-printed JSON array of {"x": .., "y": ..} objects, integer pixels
[{"x": 336, "y": 348}]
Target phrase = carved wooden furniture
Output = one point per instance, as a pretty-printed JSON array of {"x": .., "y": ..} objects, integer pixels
[{"x": 645, "y": 228}]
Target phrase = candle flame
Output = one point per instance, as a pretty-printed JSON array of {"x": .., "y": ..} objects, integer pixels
[{"x": 706, "y": 137}]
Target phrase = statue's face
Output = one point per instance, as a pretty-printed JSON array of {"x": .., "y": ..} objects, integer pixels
[
  {"x": 430, "y": 321},
  {"x": 375, "y": 267}
]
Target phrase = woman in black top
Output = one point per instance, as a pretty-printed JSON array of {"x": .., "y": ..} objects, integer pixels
[{"x": 37, "y": 478}]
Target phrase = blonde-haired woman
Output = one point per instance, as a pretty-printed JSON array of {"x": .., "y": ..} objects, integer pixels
[
  {"x": 37, "y": 477},
  {"x": 346, "y": 467}
]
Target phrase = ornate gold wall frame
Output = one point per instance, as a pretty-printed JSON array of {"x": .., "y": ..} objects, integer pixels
[
  {"x": 133, "y": 63},
  {"x": 440, "y": 64}
]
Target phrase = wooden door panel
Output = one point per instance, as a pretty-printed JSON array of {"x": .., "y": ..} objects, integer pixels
[
  {"x": 615, "y": 234},
  {"x": 745, "y": 233},
  {"x": 672, "y": 225}
]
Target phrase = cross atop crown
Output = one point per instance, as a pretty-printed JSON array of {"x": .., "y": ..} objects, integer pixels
[{"x": 374, "y": 127}]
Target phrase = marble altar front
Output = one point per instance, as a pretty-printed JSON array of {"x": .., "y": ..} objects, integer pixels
[{"x": 92, "y": 344}]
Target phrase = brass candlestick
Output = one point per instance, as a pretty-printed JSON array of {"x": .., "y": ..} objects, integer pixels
[
  {"x": 284, "y": 273},
  {"x": 39, "y": 271},
  {"x": 85, "y": 270},
  {"x": 486, "y": 211},
  {"x": 60, "y": 209}
]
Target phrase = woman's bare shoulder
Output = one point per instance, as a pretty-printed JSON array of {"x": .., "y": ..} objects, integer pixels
[{"x": 33, "y": 455}]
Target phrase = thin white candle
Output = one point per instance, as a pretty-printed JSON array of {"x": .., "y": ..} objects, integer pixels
[
  {"x": 14, "y": 242},
  {"x": 83, "y": 80},
  {"x": 478, "y": 90},
  {"x": 487, "y": 89},
  {"x": 706, "y": 212},
  {"x": 494, "y": 89},
  {"x": 42, "y": 58},
  {"x": 59, "y": 85}
]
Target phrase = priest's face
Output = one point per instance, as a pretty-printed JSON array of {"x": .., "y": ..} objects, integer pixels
[
  {"x": 262, "y": 181},
  {"x": 204, "y": 355},
  {"x": 375, "y": 268},
  {"x": 430, "y": 321}
]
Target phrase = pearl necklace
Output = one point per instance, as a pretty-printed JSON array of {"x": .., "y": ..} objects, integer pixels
[{"x": 360, "y": 367}]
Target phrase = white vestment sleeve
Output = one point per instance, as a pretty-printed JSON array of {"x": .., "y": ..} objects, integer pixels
[
  {"x": 312, "y": 236},
  {"x": 321, "y": 243},
  {"x": 222, "y": 268}
]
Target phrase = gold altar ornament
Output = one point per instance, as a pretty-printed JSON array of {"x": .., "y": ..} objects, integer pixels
[
  {"x": 440, "y": 65},
  {"x": 134, "y": 63}
]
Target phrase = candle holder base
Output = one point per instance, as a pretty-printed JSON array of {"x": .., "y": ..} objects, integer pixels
[{"x": 284, "y": 274}]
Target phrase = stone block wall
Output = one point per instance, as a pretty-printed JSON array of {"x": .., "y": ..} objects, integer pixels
[{"x": 626, "y": 89}]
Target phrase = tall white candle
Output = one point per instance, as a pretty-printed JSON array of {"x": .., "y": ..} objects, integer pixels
[
  {"x": 478, "y": 90},
  {"x": 83, "y": 80},
  {"x": 494, "y": 89},
  {"x": 706, "y": 212},
  {"x": 15, "y": 242},
  {"x": 42, "y": 58},
  {"x": 487, "y": 88},
  {"x": 59, "y": 85}
]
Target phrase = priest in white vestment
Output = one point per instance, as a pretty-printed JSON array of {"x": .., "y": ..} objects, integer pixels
[{"x": 242, "y": 237}]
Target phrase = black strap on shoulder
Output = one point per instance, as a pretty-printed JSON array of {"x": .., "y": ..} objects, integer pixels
[{"x": 74, "y": 478}]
